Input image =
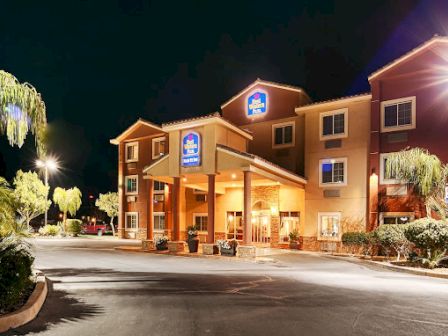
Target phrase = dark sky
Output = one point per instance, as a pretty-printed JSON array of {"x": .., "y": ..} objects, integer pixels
[{"x": 102, "y": 64}]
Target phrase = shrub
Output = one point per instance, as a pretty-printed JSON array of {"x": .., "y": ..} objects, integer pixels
[
  {"x": 15, "y": 272},
  {"x": 294, "y": 235},
  {"x": 393, "y": 237},
  {"x": 50, "y": 230},
  {"x": 354, "y": 239},
  {"x": 74, "y": 227},
  {"x": 431, "y": 236}
]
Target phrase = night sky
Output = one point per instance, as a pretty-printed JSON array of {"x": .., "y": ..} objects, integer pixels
[{"x": 102, "y": 64}]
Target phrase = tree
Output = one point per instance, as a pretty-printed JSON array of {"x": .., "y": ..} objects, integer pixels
[
  {"x": 393, "y": 236},
  {"x": 109, "y": 204},
  {"x": 21, "y": 110},
  {"x": 6, "y": 208},
  {"x": 424, "y": 171},
  {"x": 68, "y": 200},
  {"x": 31, "y": 196}
]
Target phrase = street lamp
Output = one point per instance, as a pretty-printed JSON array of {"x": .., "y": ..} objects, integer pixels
[{"x": 49, "y": 164}]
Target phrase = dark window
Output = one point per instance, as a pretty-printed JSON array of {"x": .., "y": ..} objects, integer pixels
[
  {"x": 328, "y": 125},
  {"x": 283, "y": 135},
  {"x": 201, "y": 222},
  {"x": 398, "y": 114},
  {"x": 333, "y": 124}
]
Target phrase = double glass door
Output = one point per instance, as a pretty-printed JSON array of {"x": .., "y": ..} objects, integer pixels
[{"x": 261, "y": 227}]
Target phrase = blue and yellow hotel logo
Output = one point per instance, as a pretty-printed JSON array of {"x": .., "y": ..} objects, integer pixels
[
  {"x": 257, "y": 103},
  {"x": 191, "y": 150}
]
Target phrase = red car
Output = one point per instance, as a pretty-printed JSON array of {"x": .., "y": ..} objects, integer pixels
[{"x": 97, "y": 228}]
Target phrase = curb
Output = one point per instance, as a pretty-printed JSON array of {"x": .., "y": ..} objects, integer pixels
[
  {"x": 31, "y": 308},
  {"x": 392, "y": 267}
]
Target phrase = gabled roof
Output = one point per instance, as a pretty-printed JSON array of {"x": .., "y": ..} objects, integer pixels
[
  {"x": 263, "y": 82},
  {"x": 203, "y": 120},
  {"x": 324, "y": 103},
  {"x": 133, "y": 127},
  {"x": 424, "y": 46}
]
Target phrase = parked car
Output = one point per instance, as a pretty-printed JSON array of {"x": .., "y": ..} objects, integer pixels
[{"x": 98, "y": 228}]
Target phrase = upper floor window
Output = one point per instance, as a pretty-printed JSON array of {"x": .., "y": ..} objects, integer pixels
[
  {"x": 384, "y": 178},
  {"x": 158, "y": 147},
  {"x": 131, "y": 183},
  {"x": 159, "y": 187},
  {"x": 333, "y": 172},
  {"x": 131, "y": 149},
  {"x": 398, "y": 114},
  {"x": 283, "y": 135},
  {"x": 333, "y": 124}
]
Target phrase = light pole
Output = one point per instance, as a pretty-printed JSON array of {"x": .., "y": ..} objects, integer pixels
[{"x": 47, "y": 164}]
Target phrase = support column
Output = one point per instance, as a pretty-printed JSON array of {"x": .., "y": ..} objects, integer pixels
[
  {"x": 150, "y": 219},
  {"x": 211, "y": 202},
  {"x": 175, "y": 203},
  {"x": 247, "y": 234}
]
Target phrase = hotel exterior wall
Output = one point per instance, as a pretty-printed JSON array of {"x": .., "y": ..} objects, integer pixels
[
  {"x": 420, "y": 77},
  {"x": 352, "y": 199}
]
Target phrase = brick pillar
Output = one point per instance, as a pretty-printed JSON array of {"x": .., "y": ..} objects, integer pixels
[
  {"x": 150, "y": 220},
  {"x": 176, "y": 208},
  {"x": 211, "y": 201},
  {"x": 247, "y": 216}
]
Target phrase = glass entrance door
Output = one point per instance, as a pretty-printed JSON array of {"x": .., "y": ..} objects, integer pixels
[{"x": 261, "y": 227}]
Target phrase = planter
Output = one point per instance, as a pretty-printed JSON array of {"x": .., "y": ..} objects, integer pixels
[
  {"x": 228, "y": 252},
  {"x": 162, "y": 247},
  {"x": 193, "y": 245},
  {"x": 294, "y": 245}
]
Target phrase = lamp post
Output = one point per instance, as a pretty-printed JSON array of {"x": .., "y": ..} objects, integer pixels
[{"x": 48, "y": 164}]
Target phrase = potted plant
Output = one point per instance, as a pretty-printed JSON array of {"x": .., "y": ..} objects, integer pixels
[
  {"x": 294, "y": 239},
  {"x": 192, "y": 240},
  {"x": 227, "y": 247},
  {"x": 162, "y": 243}
]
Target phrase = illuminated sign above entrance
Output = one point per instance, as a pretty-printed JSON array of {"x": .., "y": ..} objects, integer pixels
[
  {"x": 257, "y": 103},
  {"x": 191, "y": 150}
]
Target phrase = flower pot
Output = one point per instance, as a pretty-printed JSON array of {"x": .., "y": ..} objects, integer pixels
[
  {"x": 193, "y": 245},
  {"x": 162, "y": 247},
  {"x": 228, "y": 252},
  {"x": 294, "y": 245}
]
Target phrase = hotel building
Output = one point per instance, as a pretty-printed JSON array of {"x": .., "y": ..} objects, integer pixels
[{"x": 273, "y": 161}]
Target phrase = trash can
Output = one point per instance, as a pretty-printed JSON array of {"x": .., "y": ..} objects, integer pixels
[{"x": 100, "y": 233}]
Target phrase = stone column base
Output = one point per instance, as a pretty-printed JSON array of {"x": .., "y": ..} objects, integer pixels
[
  {"x": 176, "y": 246},
  {"x": 148, "y": 245},
  {"x": 210, "y": 249},
  {"x": 246, "y": 251}
]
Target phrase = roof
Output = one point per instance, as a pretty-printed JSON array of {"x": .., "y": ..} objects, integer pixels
[
  {"x": 131, "y": 128},
  {"x": 203, "y": 120},
  {"x": 265, "y": 163},
  {"x": 428, "y": 44},
  {"x": 352, "y": 98},
  {"x": 263, "y": 82}
]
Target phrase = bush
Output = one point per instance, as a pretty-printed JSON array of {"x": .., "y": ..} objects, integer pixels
[
  {"x": 15, "y": 272},
  {"x": 431, "y": 236},
  {"x": 354, "y": 238},
  {"x": 393, "y": 237},
  {"x": 74, "y": 227},
  {"x": 50, "y": 230}
]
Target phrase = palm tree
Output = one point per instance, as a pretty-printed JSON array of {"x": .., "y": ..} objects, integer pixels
[
  {"x": 424, "y": 171},
  {"x": 21, "y": 110},
  {"x": 68, "y": 200}
]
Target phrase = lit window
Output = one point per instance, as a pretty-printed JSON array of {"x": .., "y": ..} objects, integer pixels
[
  {"x": 333, "y": 124},
  {"x": 329, "y": 225},
  {"x": 131, "y": 149},
  {"x": 234, "y": 225},
  {"x": 396, "y": 217},
  {"x": 200, "y": 221},
  {"x": 384, "y": 179},
  {"x": 333, "y": 172},
  {"x": 131, "y": 184},
  {"x": 159, "y": 221},
  {"x": 283, "y": 135},
  {"x": 289, "y": 221},
  {"x": 131, "y": 220},
  {"x": 398, "y": 114},
  {"x": 158, "y": 147}
]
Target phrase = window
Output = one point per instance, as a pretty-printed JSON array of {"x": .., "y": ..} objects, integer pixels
[
  {"x": 398, "y": 114},
  {"x": 131, "y": 149},
  {"x": 200, "y": 221},
  {"x": 383, "y": 179},
  {"x": 396, "y": 217},
  {"x": 159, "y": 187},
  {"x": 131, "y": 184},
  {"x": 289, "y": 221},
  {"x": 333, "y": 124},
  {"x": 234, "y": 225},
  {"x": 158, "y": 147},
  {"x": 329, "y": 225},
  {"x": 159, "y": 221},
  {"x": 131, "y": 220},
  {"x": 333, "y": 172},
  {"x": 283, "y": 135}
]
